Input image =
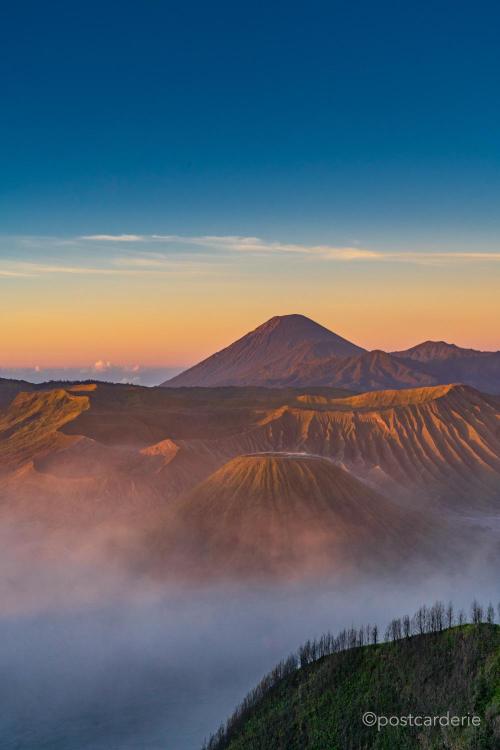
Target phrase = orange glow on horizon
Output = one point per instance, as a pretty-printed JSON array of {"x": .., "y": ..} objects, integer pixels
[{"x": 176, "y": 323}]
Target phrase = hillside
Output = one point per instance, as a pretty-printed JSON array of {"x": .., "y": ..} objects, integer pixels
[
  {"x": 320, "y": 706},
  {"x": 278, "y": 514}
]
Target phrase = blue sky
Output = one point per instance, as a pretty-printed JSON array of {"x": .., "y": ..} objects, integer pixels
[
  {"x": 173, "y": 174},
  {"x": 319, "y": 121}
]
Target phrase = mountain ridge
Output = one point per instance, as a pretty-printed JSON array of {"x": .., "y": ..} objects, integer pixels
[
  {"x": 438, "y": 350},
  {"x": 294, "y": 351}
]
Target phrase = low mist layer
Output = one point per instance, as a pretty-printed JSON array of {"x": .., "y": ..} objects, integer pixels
[{"x": 134, "y": 666}]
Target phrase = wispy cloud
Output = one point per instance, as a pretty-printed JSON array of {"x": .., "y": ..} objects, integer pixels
[
  {"x": 234, "y": 243},
  {"x": 127, "y": 266},
  {"x": 27, "y": 269},
  {"x": 13, "y": 274},
  {"x": 258, "y": 246},
  {"x": 114, "y": 237},
  {"x": 199, "y": 255}
]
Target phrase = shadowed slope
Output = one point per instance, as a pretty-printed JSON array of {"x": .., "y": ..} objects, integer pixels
[
  {"x": 434, "y": 351},
  {"x": 449, "y": 363},
  {"x": 10, "y": 388},
  {"x": 366, "y": 372}
]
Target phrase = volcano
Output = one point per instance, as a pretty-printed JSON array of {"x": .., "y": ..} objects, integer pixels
[
  {"x": 294, "y": 351},
  {"x": 272, "y": 354},
  {"x": 289, "y": 513}
]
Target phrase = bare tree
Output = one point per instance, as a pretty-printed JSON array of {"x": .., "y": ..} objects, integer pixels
[
  {"x": 420, "y": 621},
  {"x": 436, "y": 617},
  {"x": 342, "y": 639},
  {"x": 490, "y": 614},
  {"x": 368, "y": 631},
  {"x": 305, "y": 654},
  {"x": 352, "y": 637},
  {"x": 450, "y": 615},
  {"x": 395, "y": 629},
  {"x": 476, "y": 612},
  {"x": 406, "y": 626}
]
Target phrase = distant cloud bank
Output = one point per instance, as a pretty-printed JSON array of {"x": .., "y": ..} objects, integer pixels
[{"x": 100, "y": 370}]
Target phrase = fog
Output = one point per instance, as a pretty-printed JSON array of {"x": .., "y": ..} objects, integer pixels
[{"x": 96, "y": 659}]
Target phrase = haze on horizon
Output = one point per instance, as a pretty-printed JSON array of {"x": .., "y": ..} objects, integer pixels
[{"x": 143, "y": 302}]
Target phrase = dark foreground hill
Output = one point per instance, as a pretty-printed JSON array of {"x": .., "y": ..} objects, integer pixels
[{"x": 320, "y": 706}]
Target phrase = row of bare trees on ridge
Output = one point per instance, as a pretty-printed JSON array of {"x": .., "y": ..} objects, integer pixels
[{"x": 426, "y": 620}]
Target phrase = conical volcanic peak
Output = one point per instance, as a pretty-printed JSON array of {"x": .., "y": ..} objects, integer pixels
[
  {"x": 287, "y": 514},
  {"x": 277, "y": 482},
  {"x": 271, "y": 354},
  {"x": 294, "y": 351},
  {"x": 298, "y": 329}
]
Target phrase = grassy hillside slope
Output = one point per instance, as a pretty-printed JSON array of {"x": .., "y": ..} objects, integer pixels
[{"x": 320, "y": 706}]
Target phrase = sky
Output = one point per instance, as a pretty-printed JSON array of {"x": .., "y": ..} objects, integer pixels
[{"x": 173, "y": 174}]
